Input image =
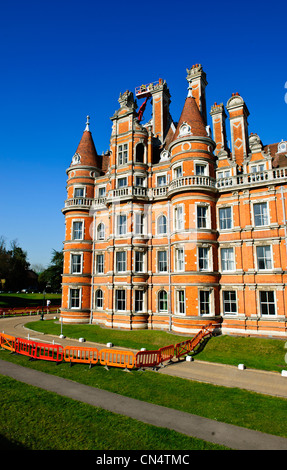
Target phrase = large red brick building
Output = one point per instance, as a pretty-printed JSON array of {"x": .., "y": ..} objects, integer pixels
[{"x": 172, "y": 227}]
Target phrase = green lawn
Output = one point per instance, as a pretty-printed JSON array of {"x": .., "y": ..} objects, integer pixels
[
  {"x": 33, "y": 419},
  {"x": 255, "y": 353},
  {"x": 230, "y": 405},
  {"x": 28, "y": 300}
]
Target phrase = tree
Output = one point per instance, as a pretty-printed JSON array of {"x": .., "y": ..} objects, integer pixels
[
  {"x": 52, "y": 276},
  {"x": 14, "y": 267}
]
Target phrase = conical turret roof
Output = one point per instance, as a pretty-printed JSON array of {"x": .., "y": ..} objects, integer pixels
[
  {"x": 86, "y": 153},
  {"x": 192, "y": 119}
]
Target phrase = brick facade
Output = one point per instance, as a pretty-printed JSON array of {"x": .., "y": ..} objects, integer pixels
[{"x": 171, "y": 229}]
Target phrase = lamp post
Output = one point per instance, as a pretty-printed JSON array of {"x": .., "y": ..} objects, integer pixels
[{"x": 44, "y": 297}]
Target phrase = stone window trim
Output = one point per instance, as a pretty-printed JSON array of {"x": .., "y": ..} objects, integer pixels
[
  {"x": 74, "y": 253},
  {"x": 73, "y": 230},
  {"x": 72, "y": 297},
  {"x": 211, "y": 301},
  {"x": 179, "y": 302}
]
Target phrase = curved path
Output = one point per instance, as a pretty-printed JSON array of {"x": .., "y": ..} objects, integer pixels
[{"x": 212, "y": 431}]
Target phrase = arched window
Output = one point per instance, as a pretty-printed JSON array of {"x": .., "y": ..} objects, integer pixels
[
  {"x": 101, "y": 231},
  {"x": 162, "y": 301},
  {"x": 99, "y": 298},
  {"x": 161, "y": 225},
  {"x": 140, "y": 153}
]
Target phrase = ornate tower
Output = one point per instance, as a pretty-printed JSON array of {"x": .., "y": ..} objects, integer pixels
[
  {"x": 238, "y": 114},
  {"x": 78, "y": 245},
  {"x": 192, "y": 193}
]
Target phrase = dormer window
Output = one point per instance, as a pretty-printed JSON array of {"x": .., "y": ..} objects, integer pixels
[
  {"x": 282, "y": 147},
  {"x": 185, "y": 129}
]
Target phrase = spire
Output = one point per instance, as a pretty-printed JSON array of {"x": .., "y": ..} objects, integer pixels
[
  {"x": 86, "y": 153},
  {"x": 191, "y": 121},
  {"x": 88, "y": 124}
]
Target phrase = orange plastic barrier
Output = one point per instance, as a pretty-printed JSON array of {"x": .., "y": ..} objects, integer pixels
[
  {"x": 182, "y": 348},
  {"x": 166, "y": 353},
  {"x": 148, "y": 358},
  {"x": 78, "y": 354},
  {"x": 117, "y": 358},
  {"x": 36, "y": 350},
  {"x": 7, "y": 342},
  {"x": 49, "y": 352},
  {"x": 25, "y": 347}
]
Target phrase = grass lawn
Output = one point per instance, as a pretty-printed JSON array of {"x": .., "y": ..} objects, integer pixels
[
  {"x": 27, "y": 300},
  {"x": 255, "y": 353},
  {"x": 40, "y": 420},
  {"x": 33, "y": 419},
  {"x": 230, "y": 405}
]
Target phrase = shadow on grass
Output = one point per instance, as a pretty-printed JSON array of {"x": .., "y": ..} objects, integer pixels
[{"x": 6, "y": 444}]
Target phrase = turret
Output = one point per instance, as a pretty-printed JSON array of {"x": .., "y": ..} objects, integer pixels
[{"x": 76, "y": 281}]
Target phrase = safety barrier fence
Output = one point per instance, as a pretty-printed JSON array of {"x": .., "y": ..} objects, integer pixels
[
  {"x": 81, "y": 355},
  {"x": 106, "y": 357},
  {"x": 10, "y": 312}
]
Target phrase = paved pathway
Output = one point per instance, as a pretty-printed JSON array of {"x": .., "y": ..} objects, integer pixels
[{"x": 212, "y": 431}]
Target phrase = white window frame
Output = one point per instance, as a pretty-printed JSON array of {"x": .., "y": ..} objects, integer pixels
[
  {"x": 204, "y": 165},
  {"x": 117, "y": 300},
  {"x": 77, "y": 187},
  {"x": 180, "y": 304},
  {"x": 76, "y": 253},
  {"x": 266, "y": 260},
  {"x": 163, "y": 175},
  {"x": 121, "y": 227},
  {"x": 162, "y": 301},
  {"x": 140, "y": 262},
  {"x": 102, "y": 265},
  {"x": 82, "y": 229},
  {"x": 267, "y": 315},
  {"x": 267, "y": 214},
  {"x": 210, "y": 304},
  {"x": 71, "y": 298},
  {"x": 207, "y": 215},
  {"x": 121, "y": 179},
  {"x": 139, "y": 223},
  {"x": 99, "y": 298},
  {"x": 179, "y": 261},
  {"x": 123, "y": 154},
  {"x": 162, "y": 262},
  {"x": 140, "y": 300},
  {"x": 225, "y": 219},
  {"x": 179, "y": 217},
  {"x": 102, "y": 188},
  {"x": 160, "y": 225},
  {"x": 229, "y": 301},
  {"x": 228, "y": 260},
  {"x": 101, "y": 231},
  {"x": 122, "y": 263},
  {"x": 136, "y": 180},
  {"x": 207, "y": 258},
  {"x": 176, "y": 170},
  {"x": 256, "y": 172}
]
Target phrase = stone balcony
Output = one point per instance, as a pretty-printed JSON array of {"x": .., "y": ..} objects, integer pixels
[
  {"x": 274, "y": 176},
  {"x": 127, "y": 192},
  {"x": 267, "y": 177},
  {"x": 78, "y": 203}
]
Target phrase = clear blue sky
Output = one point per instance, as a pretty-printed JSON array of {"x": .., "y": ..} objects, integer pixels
[{"x": 62, "y": 60}]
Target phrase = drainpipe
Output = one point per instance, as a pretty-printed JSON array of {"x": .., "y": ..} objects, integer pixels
[
  {"x": 93, "y": 269},
  {"x": 284, "y": 218},
  {"x": 169, "y": 269}
]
